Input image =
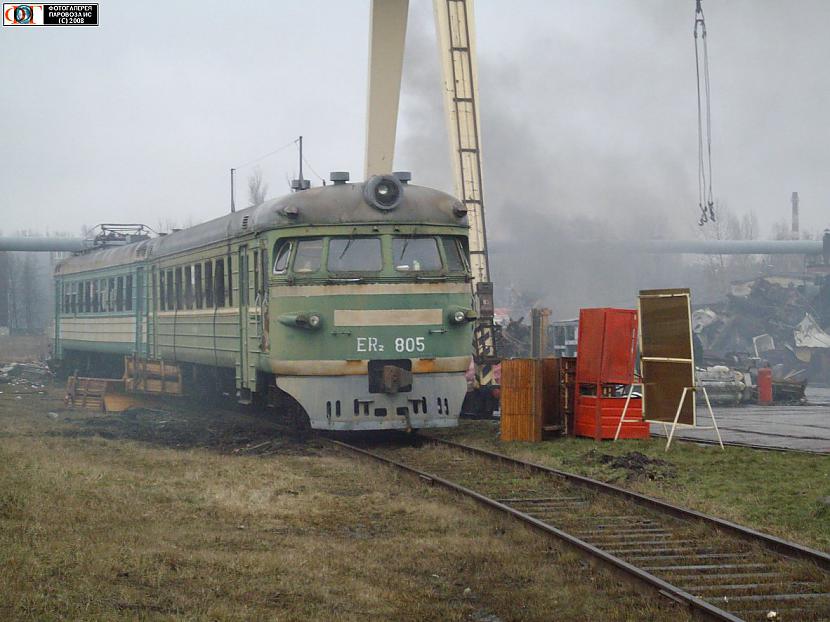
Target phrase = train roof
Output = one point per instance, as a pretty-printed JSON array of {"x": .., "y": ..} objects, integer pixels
[{"x": 335, "y": 204}]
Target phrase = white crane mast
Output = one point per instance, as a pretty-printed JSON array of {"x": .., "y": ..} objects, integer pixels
[
  {"x": 456, "y": 41},
  {"x": 455, "y": 28},
  {"x": 387, "y": 32}
]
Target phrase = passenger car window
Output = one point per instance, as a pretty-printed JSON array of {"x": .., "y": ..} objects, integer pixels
[
  {"x": 355, "y": 255},
  {"x": 281, "y": 255},
  {"x": 307, "y": 258},
  {"x": 219, "y": 283},
  {"x": 415, "y": 254},
  {"x": 454, "y": 252}
]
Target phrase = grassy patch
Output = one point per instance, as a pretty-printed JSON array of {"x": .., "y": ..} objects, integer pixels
[
  {"x": 160, "y": 519},
  {"x": 785, "y": 494}
]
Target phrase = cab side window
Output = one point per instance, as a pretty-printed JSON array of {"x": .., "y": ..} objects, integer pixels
[
  {"x": 282, "y": 253},
  {"x": 455, "y": 254}
]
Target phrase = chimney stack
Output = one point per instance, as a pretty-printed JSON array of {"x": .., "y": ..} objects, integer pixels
[{"x": 795, "y": 232}]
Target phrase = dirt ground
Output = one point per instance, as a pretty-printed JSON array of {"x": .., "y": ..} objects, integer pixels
[{"x": 182, "y": 511}]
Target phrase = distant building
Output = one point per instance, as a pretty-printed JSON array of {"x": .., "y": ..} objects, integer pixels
[{"x": 564, "y": 335}]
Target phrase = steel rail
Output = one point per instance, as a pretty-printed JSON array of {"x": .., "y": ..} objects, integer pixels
[
  {"x": 619, "y": 566},
  {"x": 780, "y": 545},
  {"x": 707, "y": 441}
]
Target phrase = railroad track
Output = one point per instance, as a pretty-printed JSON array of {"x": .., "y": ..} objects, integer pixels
[
  {"x": 717, "y": 569},
  {"x": 707, "y": 441}
]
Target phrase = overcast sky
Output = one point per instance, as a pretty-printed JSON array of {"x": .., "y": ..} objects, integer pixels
[{"x": 588, "y": 108}]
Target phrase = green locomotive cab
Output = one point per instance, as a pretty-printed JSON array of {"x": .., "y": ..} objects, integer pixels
[
  {"x": 354, "y": 299},
  {"x": 370, "y": 319}
]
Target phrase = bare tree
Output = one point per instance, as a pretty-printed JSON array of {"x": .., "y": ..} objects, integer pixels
[
  {"x": 29, "y": 293},
  {"x": 257, "y": 189},
  {"x": 5, "y": 293}
]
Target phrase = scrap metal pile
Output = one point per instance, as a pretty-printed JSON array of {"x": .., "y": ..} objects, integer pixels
[
  {"x": 24, "y": 378},
  {"x": 21, "y": 373},
  {"x": 769, "y": 321}
]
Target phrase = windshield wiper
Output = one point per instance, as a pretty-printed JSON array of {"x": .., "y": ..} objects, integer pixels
[
  {"x": 405, "y": 244},
  {"x": 348, "y": 244}
]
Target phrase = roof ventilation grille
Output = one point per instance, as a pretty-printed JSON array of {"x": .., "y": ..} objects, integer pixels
[{"x": 339, "y": 177}]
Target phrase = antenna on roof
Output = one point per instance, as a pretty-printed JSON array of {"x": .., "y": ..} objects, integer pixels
[{"x": 301, "y": 183}]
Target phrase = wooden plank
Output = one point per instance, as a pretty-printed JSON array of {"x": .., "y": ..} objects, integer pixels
[
  {"x": 154, "y": 385},
  {"x": 118, "y": 402}
]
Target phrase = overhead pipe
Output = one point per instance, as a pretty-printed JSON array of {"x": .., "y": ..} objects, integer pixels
[
  {"x": 708, "y": 247},
  {"x": 44, "y": 244},
  {"x": 728, "y": 247}
]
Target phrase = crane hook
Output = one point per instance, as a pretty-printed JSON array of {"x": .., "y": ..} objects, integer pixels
[{"x": 704, "y": 120}]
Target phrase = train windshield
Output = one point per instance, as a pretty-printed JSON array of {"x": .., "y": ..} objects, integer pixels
[
  {"x": 415, "y": 254},
  {"x": 307, "y": 258},
  {"x": 355, "y": 254}
]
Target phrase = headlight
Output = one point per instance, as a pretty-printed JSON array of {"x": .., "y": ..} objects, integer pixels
[
  {"x": 460, "y": 315},
  {"x": 383, "y": 192},
  {"x": 310, "y": 321}
]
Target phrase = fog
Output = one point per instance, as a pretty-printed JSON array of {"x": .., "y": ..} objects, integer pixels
[
  {"x": 590, "y": 135},
  {"x": 588, "y": 120}
]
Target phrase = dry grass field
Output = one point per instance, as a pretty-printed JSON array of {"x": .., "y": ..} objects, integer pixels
[{"x": 182, "y": 513}]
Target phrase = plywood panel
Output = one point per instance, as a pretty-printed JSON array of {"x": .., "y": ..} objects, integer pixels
[
  {"x": 664, "y": 384},
  {"x": 667, "y": 363},
  {"x": 665, "y": 325}
]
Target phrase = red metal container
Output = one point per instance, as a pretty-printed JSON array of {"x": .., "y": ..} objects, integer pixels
[
  {"x": 765, "y": 386},
  {"x": 606, "y": 356}
]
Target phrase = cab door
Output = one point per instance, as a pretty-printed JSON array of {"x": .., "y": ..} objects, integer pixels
[
  {"x": 243, "y": 370},
  {"x": 141, "y": 311}
]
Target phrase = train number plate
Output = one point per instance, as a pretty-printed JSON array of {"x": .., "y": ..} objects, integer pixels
[{"x": 398, "y": 344}]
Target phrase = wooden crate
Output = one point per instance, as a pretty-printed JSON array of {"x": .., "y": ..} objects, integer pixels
[
  {"x": 531, "y": 399},
  {"x": 91, "y": 393},
  {"x": 152, "y": 376},
  {"x": 521, "y": 400}
]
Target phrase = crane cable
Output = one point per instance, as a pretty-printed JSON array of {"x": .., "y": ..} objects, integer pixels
[{"x": 704, "y": 167}]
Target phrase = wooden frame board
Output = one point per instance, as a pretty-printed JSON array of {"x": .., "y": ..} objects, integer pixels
[{"x": 666, "y": 355}]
